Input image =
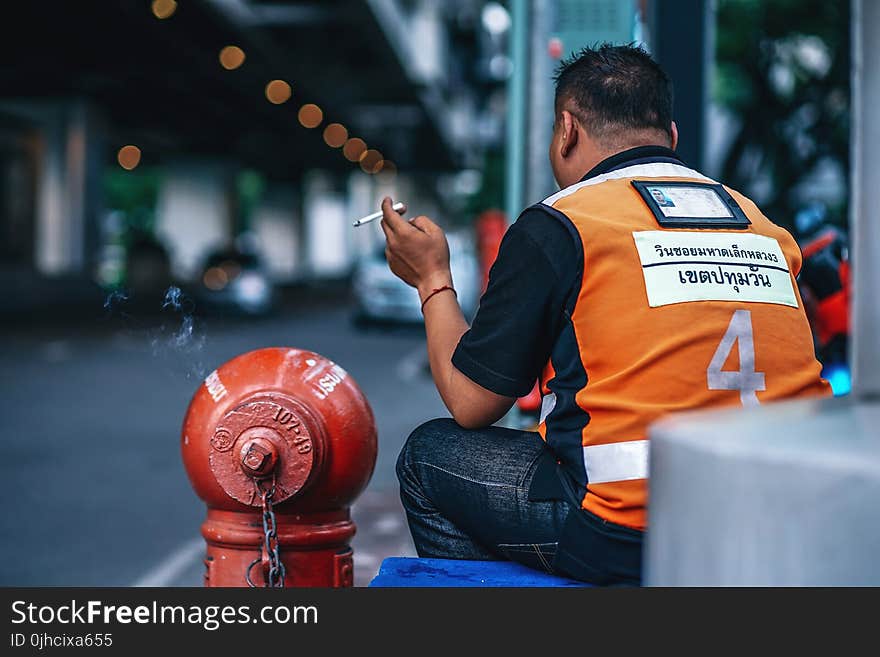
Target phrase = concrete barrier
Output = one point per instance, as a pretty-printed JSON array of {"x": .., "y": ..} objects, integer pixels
[{"x": 785, "y": 494}]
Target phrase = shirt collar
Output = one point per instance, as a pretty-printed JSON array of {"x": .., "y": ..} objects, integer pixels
[{"x": 631, "y": 156}]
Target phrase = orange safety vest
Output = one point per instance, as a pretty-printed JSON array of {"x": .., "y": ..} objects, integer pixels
[{"x": 666, "y": 319}]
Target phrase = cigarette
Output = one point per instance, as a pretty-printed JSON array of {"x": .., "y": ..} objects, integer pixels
[{"x": 398, "y": 207}]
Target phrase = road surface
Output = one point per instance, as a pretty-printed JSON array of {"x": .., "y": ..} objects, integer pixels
[{"x": 93, "y": 488}]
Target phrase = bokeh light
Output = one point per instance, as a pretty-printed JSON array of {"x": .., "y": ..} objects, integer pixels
[
  {"x": 164, "y": 8},
  {"x": 231, "y": 57},
  {"x": 277, "y": 92},
  {"x": 310, "y": 115},
  {"x": 335, "y": 135},
  {"x": 353, "y": 149},
  {"x": 129, "y": 157},
  {"x": 371, "y": 161},
  {"x": 386, "y": 172},
  {"x": 215, "y": 278}
]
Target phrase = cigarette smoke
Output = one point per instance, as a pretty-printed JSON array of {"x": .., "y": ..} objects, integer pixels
[
  {"x": 178, "y": 339},
  {"x": 114, "y": 302}
]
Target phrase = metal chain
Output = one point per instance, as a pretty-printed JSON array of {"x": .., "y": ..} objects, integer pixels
[{"x": 270, "y": 553}]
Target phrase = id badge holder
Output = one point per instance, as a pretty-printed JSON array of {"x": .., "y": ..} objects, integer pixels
[{"x": 679, "y": 204}]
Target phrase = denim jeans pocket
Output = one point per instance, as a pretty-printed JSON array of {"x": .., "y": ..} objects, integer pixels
[{"x": 534, "y": 555}]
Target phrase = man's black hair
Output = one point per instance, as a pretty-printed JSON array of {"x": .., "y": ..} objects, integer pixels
[{"x": 614, "y": 90}]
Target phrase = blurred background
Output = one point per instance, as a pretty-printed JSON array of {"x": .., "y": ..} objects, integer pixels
[{"x": 178, "y": 181}]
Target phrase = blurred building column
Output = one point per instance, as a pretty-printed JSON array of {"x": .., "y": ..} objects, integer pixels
[
  {"x": 364, "y": 198},
  {"x": 543, "y": 31},
  {"x": 682, "y": 42},
  {"x": 276, "y": 222},
  {"x": 194, "y": 213},
  {"x": 327, "y": 229},
  {"x": 865, "y": 199},
  {"x": 517, "y": 112},
  {"x": 539, "y": 183},
  {"x": 51, "y": 239},
  {"x": 68, "y": 188}
]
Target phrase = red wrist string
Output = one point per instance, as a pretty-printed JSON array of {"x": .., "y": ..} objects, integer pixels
[{"x": 438, "y": 290}]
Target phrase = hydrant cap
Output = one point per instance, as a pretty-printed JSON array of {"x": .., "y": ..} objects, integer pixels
[{"x": 285, "y": 414}]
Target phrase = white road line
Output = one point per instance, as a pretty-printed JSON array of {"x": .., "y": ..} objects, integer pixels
[
  {"x": 410, "y": 366},
  {"x": 365, "y": 560},
  {"x": 388, "y": 523},
  {"x": 174, "y": 565}
]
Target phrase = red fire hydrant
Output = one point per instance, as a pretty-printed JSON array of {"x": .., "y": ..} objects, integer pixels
[{"x": 278, "y": 443}]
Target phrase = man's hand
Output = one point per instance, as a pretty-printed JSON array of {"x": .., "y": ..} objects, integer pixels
[
  {"x": 418, "y": 254},
  {"x": 416, "y": 250}
]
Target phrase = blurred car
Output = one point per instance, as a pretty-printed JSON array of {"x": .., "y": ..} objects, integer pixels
[
  {"x": 381, "y": 296},
  {"x": 147, "y": 265},
  {"x": 235, "y": 281}
]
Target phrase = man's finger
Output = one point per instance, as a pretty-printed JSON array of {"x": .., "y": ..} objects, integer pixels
[
  {"x": 394, "y": 221},
  {"x": 424, "y": 224},
  {"x": 386, "y": 229}
]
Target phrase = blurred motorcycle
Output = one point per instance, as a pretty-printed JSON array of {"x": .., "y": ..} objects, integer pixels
[{"x": 825, "y": 287}]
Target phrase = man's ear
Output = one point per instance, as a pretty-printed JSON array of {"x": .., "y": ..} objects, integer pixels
[
  {"x": 569, "y": 133},
  {"x": 674, "y": 133}
]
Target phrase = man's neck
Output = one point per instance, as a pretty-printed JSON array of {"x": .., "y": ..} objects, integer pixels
[{"x": 614, "y": 159}]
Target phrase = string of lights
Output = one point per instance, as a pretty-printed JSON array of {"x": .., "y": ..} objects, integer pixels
[{"x": 278, "y": 92}]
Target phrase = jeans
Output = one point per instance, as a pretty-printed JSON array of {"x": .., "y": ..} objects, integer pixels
[{"x": 466, "y": 495}]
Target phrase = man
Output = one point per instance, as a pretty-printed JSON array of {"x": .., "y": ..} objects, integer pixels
[{"x": 622, "y": 309}]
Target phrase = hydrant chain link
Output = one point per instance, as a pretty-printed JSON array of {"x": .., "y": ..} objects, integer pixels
[{"x": 270, "y": 555}]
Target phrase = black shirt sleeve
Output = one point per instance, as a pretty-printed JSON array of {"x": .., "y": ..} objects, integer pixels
[{"x": 521, "y": 312}]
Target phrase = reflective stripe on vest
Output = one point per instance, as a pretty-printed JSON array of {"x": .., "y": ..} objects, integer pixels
[
  {"x": 548, "y": 403},
  {"x": 616, "y": 461},
  {"x": 657, "y": 170}
]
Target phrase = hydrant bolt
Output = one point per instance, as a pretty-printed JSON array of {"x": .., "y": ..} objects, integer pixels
[{"x": 258, "y": 457}]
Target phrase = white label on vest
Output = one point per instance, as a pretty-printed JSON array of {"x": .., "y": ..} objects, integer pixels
[{"x": 683, "y": 266}]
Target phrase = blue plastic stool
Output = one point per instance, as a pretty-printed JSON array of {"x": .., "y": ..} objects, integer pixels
[{"x": 407, "y": 571}]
